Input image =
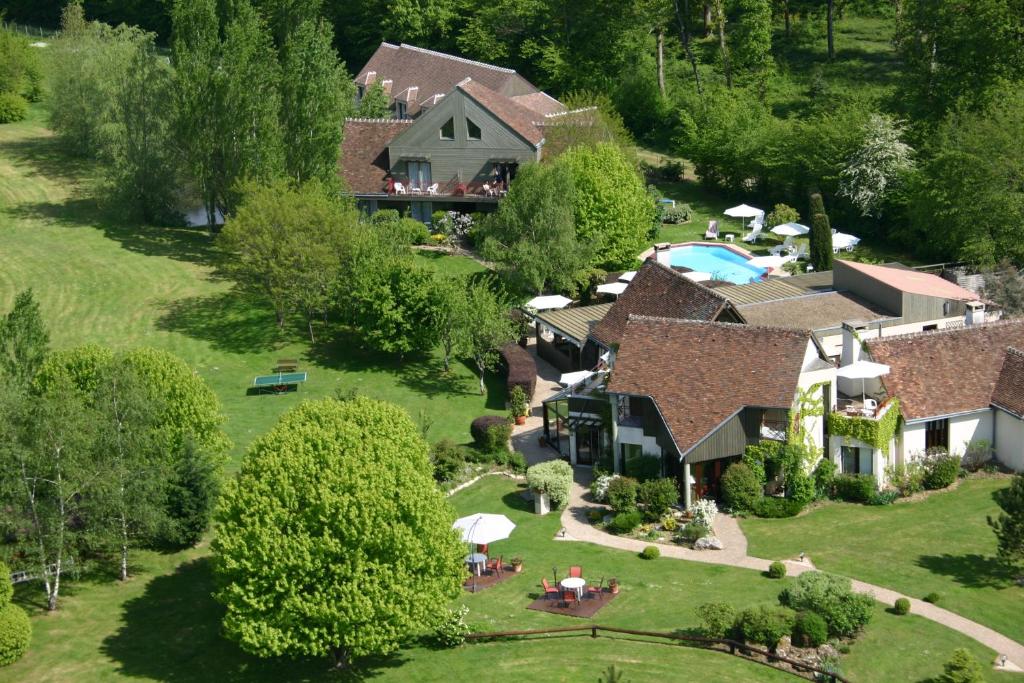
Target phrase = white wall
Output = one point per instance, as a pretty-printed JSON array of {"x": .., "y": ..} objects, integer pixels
[
  {"x": 879, "y": 461},
  {"x": 1009, "y": 442},
  {"x": 963, "y": 429}
]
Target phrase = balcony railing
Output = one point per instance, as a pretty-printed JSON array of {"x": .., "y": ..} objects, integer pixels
[
  {"x": 855, "y": 407},
  {"x": 452, "y": 188}
]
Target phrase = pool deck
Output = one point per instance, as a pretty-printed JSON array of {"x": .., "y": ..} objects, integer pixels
[{"x": 735, "y": 248}]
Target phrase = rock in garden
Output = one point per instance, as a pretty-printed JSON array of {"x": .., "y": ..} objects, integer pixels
[{"x": 708, "y": 543}]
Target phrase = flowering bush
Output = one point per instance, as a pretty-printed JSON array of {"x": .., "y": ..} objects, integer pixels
[
  {"x": 704, "y": 511},
  {"x": 454, "y": 226},
  {"x": 599, "y": 487},
  {"x": 452, "y": 630}
]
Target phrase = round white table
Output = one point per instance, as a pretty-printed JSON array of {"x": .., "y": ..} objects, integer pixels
[
  {"x": 574, "y": 584},
  {"x": 476, "y": 562}
]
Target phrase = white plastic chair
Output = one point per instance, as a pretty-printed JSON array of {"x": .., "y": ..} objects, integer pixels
[
  {"x": 432, "y": 189},
  {"x": 712, "y": 231},
  {"x": 400, "y": 188}
]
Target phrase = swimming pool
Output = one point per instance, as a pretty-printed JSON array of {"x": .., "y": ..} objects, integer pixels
[{"x": 723, "y": 263}]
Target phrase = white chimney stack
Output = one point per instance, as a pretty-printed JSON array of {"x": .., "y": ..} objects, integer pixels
[
  {"x": 662, "y": 252},
  {"x": 975, "y": 313}
]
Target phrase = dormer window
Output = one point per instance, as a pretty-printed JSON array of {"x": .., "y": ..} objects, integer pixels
[
  {"x": 472, "y": 130},
  {"x": 448, "y": 130},
  {"x": 401, "y": 111},
  {"x": 360, "y": 91}
]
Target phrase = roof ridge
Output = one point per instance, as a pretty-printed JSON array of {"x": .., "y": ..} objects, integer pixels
[
  {"x": 459, "y": 59},
  {"x": 567, "y": 111},
  {"x": 945, "y": 331},
  {"x": 719, "y": 323},
  {"x": 366, "y": 120}
]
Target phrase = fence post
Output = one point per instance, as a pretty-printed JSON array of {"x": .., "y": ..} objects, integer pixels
[{"x": 593, "y": 632}]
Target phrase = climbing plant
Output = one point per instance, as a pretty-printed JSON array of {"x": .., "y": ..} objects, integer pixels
[
  {"x": 809, "y": 403},
  {"x": 877, "y": 433}
]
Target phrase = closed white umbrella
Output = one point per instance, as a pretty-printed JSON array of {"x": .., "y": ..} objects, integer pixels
[
  {"x": 571, "y": 378},
  {"x": 791, "y": 229},
  {"x": 615, "y": 288},
  {"x": 483, "y": 528},
  {"x": 545, "y": 303}
]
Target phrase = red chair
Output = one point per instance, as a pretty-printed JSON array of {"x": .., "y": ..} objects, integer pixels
[
  {"x": 571, "y": 599},
  {"x": 575, "y": 572},
  {"x": 481, "y": 548},
  {"x": 495, "y": 566},
  {"x": 597, "y": 590},
  {"x": 549, "y": 590}
]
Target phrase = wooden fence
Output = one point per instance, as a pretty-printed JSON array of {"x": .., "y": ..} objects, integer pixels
[{"x": 735, "y": 647}]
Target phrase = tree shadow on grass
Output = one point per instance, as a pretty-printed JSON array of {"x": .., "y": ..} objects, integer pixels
[
  {"x": 971, "y": 571},
  {"x": 230, "y": 321}
]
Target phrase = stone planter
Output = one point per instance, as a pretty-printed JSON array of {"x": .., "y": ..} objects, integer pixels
[
  {"x": 520, "y": 420},
  {"x": 541, "y": 503}
]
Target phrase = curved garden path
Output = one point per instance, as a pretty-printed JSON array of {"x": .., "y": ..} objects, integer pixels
[{"x": 578, "y": 528}]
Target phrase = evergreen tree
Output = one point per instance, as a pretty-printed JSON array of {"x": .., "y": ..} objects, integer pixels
[
  {"x": 820, "y": 252},
  {"x": 1009, "y": 526},
  {"x": 24, "y": 340}
]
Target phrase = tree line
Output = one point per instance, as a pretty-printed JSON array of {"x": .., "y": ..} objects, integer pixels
[{"x": 101, "y": 452}]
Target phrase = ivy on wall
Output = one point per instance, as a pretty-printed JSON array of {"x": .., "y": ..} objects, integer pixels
[{"x": 877, "y": 433}]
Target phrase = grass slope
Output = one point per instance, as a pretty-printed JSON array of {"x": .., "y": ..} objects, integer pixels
[{"x": 940, "y": 544}]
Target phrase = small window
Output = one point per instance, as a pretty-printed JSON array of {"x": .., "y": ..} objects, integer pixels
[
  {"x": 936, "y": 434},
  {"x": 360, "y": 91},
  {"x": 448, "y": 130},
  {"x": 857, "y": 460},
  {"x": 929, "y": 328},
  {"x": 401, "y": 110},
  {"x": 472, "y": 130}
]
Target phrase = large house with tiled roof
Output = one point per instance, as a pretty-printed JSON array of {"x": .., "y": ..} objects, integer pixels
[{"x": 459, "y": 131}]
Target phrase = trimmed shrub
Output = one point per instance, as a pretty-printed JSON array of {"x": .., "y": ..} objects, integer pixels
[
  {"x": 777, "y": 570},
  {"x": 774, "y": 508},
  {"x": 13, "y": 107},
  {"x": 855, "y": 488},
  {"x": 651, "y": 552},
  {"x": 15, "y": 633},
  {"x": 657, "y": 496},
  {"x": 940, "y": 471},
  {"x": 716, "y": 619},
  {"x": 932, "y": 597},
  {"x": 554, "y": 478},
  {"x": 741, "y": 488},
  {"x": 809, "y": 630},
  {"x": 644, "y": 467},
  {"x": 520, "y": 368},
  {"x": 764, "y": 625},
  {"x": 516, "y": 462},
  {"x": 825, "y": 478},
  {"x": 799, "y": 486},
  {"x": 624, "y": 522},
  {"x": 448, "y": 459},
  {"x": 901, "y": 606},
  {"x": 491, "y": 433},
  {"x": 832, "y": 597},
  {"x": 694, "y": 531},
  {"x": 622, "y": 494},
  {"x": 962, "y": 667}
]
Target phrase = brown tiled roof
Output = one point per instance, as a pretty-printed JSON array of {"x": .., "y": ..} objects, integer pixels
[
  {"x": 813, "y": 311},
  {"x": 540, "y": 103},
  {"x": 515, "y": 116},
  {"x": 659, "y": 291},
  {"x": 702, "y": 373},
  {"x": 364, "y": 153},
  {"x": 1009, "y": 391},
  {"x": 947, "y": 371},
  {"x": 436, "y": 72}
]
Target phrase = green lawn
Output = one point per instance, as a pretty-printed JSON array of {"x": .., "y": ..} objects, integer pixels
[
  {"x": 941, "y": 544},
  {"x": 98, "y": 280}
]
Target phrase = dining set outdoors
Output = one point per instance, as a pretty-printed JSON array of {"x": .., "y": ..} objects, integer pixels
[
  {"x": 480, "y": 530},
  {"x": 570, "y": 591}
]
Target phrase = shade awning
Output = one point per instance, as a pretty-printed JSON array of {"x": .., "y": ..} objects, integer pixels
[
  {"x": 862, "y": 369},
  {"x": 615, "y": 288},
  {"x": 548, "y": 302},
  {"x": 791, "y": 229},
  {"x": 743, "y": 211},
  {"x": 483, "y": 528},
  {"x": 571, "y": 378},
  {"x": 627, "y": 276}
]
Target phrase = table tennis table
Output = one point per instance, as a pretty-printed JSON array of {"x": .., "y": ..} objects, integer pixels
[{"x": 279, "y": 382}]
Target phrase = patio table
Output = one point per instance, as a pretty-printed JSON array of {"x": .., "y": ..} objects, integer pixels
[
  {"x": 476, "y": 562},
  {"x": 574, "y": 584}
]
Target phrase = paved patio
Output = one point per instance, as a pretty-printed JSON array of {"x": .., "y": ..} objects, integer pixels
[
  {"x": 585, "y": 609},
  {"x": 526, "y": 437}
]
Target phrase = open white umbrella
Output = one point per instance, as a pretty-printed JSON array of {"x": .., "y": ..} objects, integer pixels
[
  {"x": 842, "y": 240},
  {"x": 483, "y": 528},
  {"x": 546, "y": 303},
  {"x": 862, "y": 370},
  {"x": 615, "y": 288},
  {"x": 698, "y": 276},
  {"x": 627, "y": 276},
  {"x": 791, "y": 229},
  {"x": 571, "y": 378},
  {"x": 743, "y": 211}
]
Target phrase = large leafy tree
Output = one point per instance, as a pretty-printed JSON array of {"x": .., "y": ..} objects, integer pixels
[
  {"x": 374, "y": 103},
  {"x": 752, "y": 40},
  {"x": 334, "y": 540},
  {"x": 286, "y": 244},
  {"x": 611, "y": 206},
  {"x": 1009, "y": 525},
  {"x": 485, "y": 327},
  {"x": 316, "y": 94},
  {"x": 879, "y": 165},
  {"x": 390, "y": 304},
  {"x": 533, "y": 234}
]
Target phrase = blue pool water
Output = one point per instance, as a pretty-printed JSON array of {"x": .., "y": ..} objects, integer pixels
[{"x": 722, "y": 263}]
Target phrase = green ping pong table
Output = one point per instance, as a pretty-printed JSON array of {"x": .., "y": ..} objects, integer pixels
[{"x": 280, "y": 381}]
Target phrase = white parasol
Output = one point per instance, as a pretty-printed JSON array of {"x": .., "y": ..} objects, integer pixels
[
  {"x": 791, "y": 229},
  {"x": 483, "y": 528},
  {"x": 545, "y": 303},
  {"x": 615, "y": 288}
]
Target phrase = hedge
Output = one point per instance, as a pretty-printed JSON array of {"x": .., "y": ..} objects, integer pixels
[
  {"x": 855, "y": 488},
  {"x": 15, "y": 633},
  {"x": 554, "y": 478},
  {"x": 522, "y": 369},
  {"x": 491, "y": 432}
]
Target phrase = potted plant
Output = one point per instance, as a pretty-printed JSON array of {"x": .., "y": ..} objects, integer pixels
[
  {"x": 613, "y": 586},
  {"x": 517, "y": 564},
  {"x": 518, "y": 404}
]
